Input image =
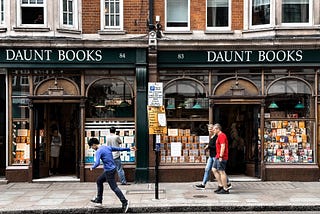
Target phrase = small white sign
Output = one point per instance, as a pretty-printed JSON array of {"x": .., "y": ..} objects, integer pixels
[
  {"x": 176, "y": 149},
  {"x": 155, "y": 93}
]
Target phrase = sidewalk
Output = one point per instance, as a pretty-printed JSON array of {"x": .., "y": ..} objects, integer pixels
[{"x": 74, "y": 197}]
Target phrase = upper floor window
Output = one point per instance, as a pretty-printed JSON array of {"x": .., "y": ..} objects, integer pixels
[
  {"x": 296, "y": 11},
  {"x": 1, "y": 12},
  {"x": 69, "y": 13},
  {"x": 31, "y": 12},
  {"x": 260, "y": 12},
  {"x": 177, "y": 15},
  {"x": 112, "y": 14},
  {"x": 218, "y": 13}
]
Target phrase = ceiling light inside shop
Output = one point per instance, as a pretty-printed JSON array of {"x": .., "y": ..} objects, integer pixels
[
  {"x": 273, "y": 105},
  {"x": 299, "y": 105}
]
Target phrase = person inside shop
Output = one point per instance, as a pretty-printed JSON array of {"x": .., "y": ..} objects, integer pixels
[
  {"x": 219, "y": 165},
  {"x": 114, "y": 140},
  {"x": 212, "y": 156},
  {"x": 104, "y": 153},
  {"x": 38, "y": 20},
  {"x": 56, "y": 143}
]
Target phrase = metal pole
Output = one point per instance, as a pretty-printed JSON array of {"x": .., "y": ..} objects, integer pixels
[{"x": 157, "y": 151}]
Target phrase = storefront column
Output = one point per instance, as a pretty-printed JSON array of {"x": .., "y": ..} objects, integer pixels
[
  {"x": 142, "y": 143},
  {"x": 32, "y": 141},
  {"x": 262, "y": 169},
  {"x": 82, "y": 141}
]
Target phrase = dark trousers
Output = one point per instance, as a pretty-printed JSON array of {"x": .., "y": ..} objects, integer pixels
[{"x": 109, "y": 176}]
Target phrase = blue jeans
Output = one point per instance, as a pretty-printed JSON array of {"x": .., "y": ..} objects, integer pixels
[
  {"x": 109, "y": 177},
  {"x": 120, "y": 170},
  {"x": 207, "y": 171}
]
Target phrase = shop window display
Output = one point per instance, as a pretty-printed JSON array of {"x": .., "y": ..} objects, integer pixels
[
  {"x": 20, "y": 143},
  {"x": 101, "y": 130},
  {"x": 288, "y": 132},
  {"x": 187, "y": 109},
  {"x": 19, "y": 149}
]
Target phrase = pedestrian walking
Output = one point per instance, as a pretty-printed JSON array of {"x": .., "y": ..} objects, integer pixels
[
  {"x": 212, "y": 156},
  {"x": 219, "y": 166},
  {"x": 114, "y": 140},
  {"x": 104, "y": 153}
]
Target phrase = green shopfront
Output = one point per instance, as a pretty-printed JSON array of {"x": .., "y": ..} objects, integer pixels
[
  {"x": 82, "y": 92},
  {"x": 266, "y": 101}
]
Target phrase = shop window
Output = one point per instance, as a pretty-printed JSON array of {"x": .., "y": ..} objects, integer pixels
[
  {"x": 260, "y": 12},
  {"x": 31, "y": 12},
  {"x": 289, "y": 124},
  {"x": 110, "y": 98},
  {"x": 177, "y": 14},
  {"x": 296, "y": 11},
  {"x": 101, "y": 130},
  {"x": 2, "y": 12},
  {"x": 112, "y": 14},
  {"x": 69, "y": 13},
  {"x": 20, "y": 147},
  {"x": 187, "y": 118},
  {"x": 218, "y": 13}
]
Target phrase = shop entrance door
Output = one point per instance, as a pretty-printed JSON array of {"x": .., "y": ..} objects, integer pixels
[
  {"x": 65, "y": 118},
  {"x": 240, "y": 123}
]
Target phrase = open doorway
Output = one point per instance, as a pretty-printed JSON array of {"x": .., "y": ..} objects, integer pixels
[
  {"x": 240, "y": 123},
  {"x": 65, "y": 119}
]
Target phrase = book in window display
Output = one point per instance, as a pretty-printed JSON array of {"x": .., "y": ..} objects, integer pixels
[{"x": 287, "y": 142}]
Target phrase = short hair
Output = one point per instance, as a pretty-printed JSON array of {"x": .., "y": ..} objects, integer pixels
[
  {"x": 218, "y": 126},
  {"x": 93, "y": 141},
  {"x": 113, "y": 129}
]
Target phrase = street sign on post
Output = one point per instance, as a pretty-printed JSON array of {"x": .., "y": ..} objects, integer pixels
[
  {"x": 155, "y": 94},
  {"x": 157, "y": 120},
  {"x": 157, "y": 123}
]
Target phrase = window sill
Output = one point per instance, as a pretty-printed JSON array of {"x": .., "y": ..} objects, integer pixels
[
  {"x": 70, "y": 31},
  {"x": 3, "y": 29},
  {"x": 282, "y": 31},
  {"x": 178, "y": 32},
  {"x": 31, "y": 29},
  {"x": 219, "y": 32},
  {"x": 112, "y": 32}
]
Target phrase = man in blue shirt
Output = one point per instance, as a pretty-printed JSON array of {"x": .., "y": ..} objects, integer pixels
[{"x": 105, "y": 154}]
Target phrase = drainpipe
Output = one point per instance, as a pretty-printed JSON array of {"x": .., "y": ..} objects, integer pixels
[{"x": 151, "y": 26}]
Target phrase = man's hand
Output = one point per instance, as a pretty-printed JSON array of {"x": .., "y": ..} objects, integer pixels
[{"x": 133, "y": 148}]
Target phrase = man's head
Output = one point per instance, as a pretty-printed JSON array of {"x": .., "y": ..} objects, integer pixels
[
  {"x": 94, "y": 143},
  {"x": 217, "y": 127},
  {"x": 113, "y": 129}
]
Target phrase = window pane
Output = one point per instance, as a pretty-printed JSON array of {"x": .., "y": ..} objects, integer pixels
[
  {"x": 295, "y": 11},
  {"x": 110, "y": 98},
  {"x": 260, "y": 12},
  {"x": 32, "y": 15},
  {"x": 70, "y": 19},
  {"x": 177, "y": 13},
  {"x": 70, "y": 6},
  {"x": 217, "y": 13},
  {"x": 112, "y": 13},
  {"x": 64, "y": 7},
  {"x": 1, "y": 12}
]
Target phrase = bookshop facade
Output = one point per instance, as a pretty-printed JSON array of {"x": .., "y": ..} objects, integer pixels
[
  {"x": 81, "y": 93},
  {"x": 265, "y": 100}
]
